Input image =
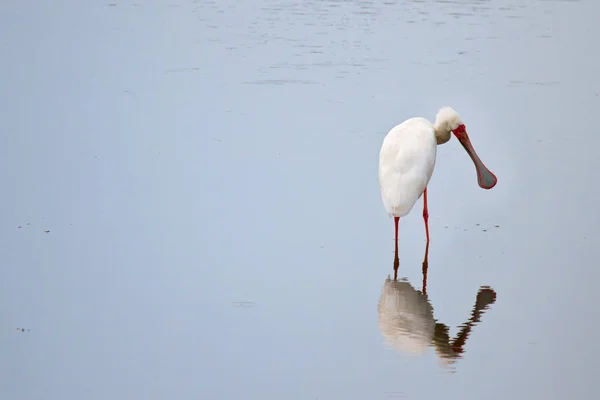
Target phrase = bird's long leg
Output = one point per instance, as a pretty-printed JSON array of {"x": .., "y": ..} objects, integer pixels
[
  {"x": 396, "y": 259},
  {"x": 426, "y": 214}
]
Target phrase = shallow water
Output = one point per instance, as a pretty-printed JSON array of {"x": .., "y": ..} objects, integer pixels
[{"x": 207, "y": 175}]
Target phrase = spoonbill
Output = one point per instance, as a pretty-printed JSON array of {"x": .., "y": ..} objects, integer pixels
[{"x": 407, "y": 159}]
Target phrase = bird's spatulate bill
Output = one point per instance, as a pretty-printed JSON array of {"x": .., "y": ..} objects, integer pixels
[{"x": 485, "y": 177}]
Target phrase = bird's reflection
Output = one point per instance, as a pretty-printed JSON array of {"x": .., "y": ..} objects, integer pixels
[{"x": 406, "y": 318}]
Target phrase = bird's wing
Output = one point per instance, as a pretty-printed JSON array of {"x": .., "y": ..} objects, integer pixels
[{"x": 407, "y": 160}]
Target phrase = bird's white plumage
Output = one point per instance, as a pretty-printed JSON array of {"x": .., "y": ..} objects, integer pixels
[
  {"x": 406, "y": 163},
  {"x": 446, "y": 120}
]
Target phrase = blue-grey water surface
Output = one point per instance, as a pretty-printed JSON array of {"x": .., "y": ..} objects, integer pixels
[{"x": 191, "y": 207}]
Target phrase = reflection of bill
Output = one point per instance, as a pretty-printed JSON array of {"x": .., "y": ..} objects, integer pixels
[
  {"x": 406, "y": 319},
  {"x": 244, "y": 304}
]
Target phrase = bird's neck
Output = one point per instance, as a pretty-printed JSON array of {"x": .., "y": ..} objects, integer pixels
[{"x": 442, "y": 133}]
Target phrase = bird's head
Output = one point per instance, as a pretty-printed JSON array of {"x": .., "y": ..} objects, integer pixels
[{"x": 448, "y": 121}]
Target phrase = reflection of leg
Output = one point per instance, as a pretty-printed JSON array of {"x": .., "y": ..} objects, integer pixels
[
  {"x": 425, "y": 266},
  {"x": 426, "y": 213},
  {"x": 396, "y": 260}
]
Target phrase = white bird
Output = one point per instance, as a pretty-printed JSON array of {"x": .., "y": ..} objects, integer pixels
[{"x": 407, "y": 159}]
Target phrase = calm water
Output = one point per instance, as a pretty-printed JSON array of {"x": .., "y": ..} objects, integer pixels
[{"x": 207, "y": 172}]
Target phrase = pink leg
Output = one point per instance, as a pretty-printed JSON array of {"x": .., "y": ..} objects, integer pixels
[
  {"x": 426, "y": 214},
  {"x": 396, "y": 260}
]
